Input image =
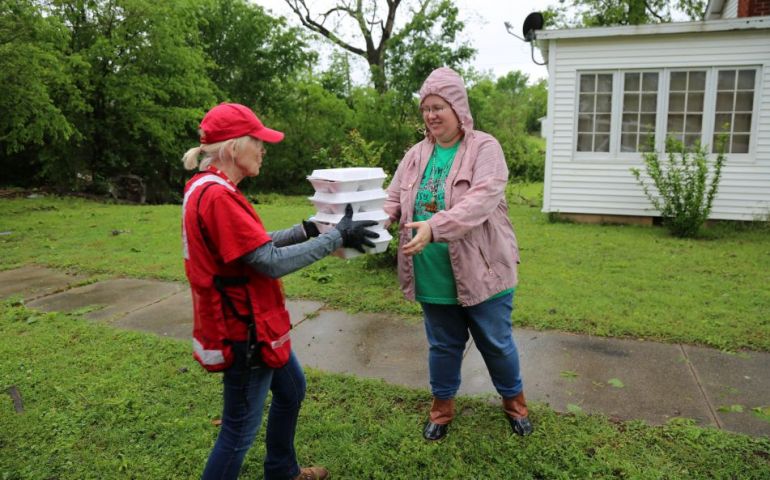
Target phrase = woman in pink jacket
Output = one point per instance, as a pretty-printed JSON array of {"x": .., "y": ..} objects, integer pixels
[{"x": 458, "y": 254}]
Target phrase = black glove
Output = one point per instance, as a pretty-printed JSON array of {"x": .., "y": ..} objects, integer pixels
[
  {"x": 311, "y": 229},
  {"x": 354, "y": 234}
]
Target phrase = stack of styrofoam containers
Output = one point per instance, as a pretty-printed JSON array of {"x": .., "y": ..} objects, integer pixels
[{"x": 360, "y": 187}]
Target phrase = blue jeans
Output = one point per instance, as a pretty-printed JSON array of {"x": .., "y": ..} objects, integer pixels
[
  {"x": 245, "y": 390},
  {"x": 489, "y": 322}
]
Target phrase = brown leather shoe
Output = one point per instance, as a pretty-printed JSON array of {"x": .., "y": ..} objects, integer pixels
[
  {"x": 441, "y": 414},
  {"x": 313, "y": 473},
  {"x": 518, "y": 416}
]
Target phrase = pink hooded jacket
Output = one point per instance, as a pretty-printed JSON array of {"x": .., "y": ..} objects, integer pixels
[{"x": 482, "y": 245}]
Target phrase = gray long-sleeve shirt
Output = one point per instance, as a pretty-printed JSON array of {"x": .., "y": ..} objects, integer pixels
[{"x": 291, "y": 250}]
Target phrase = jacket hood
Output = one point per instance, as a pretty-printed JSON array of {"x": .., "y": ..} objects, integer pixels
[{"x": 447, "y": 84}]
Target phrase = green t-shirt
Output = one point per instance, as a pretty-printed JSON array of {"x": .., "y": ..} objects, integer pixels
[{"x": 434, "y": 279}]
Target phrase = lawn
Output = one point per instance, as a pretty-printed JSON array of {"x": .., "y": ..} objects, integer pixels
[
  {"x": 620, "y": 281},
  {"x": 101, "y": 403}
]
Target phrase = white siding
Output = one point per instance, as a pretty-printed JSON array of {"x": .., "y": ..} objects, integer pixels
[
  {"x": 730, "y": 9},
  {"x": 605, "y": 185}
]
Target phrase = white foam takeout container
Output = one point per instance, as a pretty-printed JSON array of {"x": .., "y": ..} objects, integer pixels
[
  {"x": 378, "y": 216},
  {"x": 380, "y": 244},
  {"x": 336, "y": 180},
  {"x": 364, "y": 201}
]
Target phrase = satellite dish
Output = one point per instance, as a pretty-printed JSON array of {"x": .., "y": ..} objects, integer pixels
[{"x": 534, "y": 21}]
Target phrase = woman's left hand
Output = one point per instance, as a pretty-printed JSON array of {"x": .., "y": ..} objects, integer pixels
[{"x": 422, "y": 237}]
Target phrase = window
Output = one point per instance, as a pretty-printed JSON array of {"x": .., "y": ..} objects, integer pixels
[
  {"x": 594, "y": 112},
  {"x": 685, "y": 106},
  {"x": 640, "y": 104},
  {"x": 734, "y": 106},
  {"x": 624, "y": 112}
]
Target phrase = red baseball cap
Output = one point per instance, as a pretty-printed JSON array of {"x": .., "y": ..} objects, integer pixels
[{"x": 233, "y": 120}]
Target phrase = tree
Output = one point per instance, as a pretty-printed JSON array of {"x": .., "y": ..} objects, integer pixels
[
  {"x": 505, "y": 108},
  {"x": 254, "y": 55},
  {"x": 376, "y": 24},
  {"x": 595, "y": 13},
  {"x": 39, "y": 87},
  {"x": 425, "y": 43}
]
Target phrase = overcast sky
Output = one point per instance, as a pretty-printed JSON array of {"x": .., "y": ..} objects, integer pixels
[{"x": 497, "y": 51}]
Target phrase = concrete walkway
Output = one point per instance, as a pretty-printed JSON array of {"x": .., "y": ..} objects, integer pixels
[{"x": 623, "y": 379}]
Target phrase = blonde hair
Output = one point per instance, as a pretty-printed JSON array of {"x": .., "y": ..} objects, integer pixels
[{"x": 213, "y": 152}]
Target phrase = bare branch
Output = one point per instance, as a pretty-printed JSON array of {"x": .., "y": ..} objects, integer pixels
[
  {"x": 298, "y": 5},
  {"x": 653, "y": 12}
]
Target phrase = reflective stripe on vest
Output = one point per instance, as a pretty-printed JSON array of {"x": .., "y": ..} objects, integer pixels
[
  {"x": 204, "y": 179},
  {"x": 208, "y": 357},
  {"x": 284, "y": 338}
]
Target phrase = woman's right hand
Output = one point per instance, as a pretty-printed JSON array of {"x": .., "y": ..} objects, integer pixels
[{"x": 422, "y": 237}]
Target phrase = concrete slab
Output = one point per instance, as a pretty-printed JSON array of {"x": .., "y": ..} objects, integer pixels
[
  {"x": 299, "y": 310},
  {"x": 33, "y": 282},
  {"x": 373, "y": 346},
  {"x": 729, "y": 380},
  {"x": 566, "y": 370},
  {"x": 117, "y": 297},
  {"x": 173, "y": 316}
]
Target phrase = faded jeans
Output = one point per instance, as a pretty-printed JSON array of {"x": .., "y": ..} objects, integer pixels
[
  {"x": 245, "y": 390},
  {"x": 447, "y": 328}
]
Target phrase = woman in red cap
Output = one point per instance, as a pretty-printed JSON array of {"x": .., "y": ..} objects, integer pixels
[{"x": 241, "y": 326}]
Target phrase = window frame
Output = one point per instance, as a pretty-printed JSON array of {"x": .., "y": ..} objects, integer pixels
[{"x": 615, "y": 155}]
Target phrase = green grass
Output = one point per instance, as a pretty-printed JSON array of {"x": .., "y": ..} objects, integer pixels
[
  {"x": 101, "y": 403},
  {"x": 621, "y": 281}
]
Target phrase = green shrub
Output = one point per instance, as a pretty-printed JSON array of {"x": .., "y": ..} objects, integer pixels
[{"x": 684, "y": 194}]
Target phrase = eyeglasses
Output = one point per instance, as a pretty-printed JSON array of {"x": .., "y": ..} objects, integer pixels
[{"x": 437, "y": 109}]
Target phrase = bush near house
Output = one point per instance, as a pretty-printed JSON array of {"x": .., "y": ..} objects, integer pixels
[{"x": 685, "y": 193}]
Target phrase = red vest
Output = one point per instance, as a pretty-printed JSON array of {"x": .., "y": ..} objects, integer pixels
[{"x": 218, "y": 227}]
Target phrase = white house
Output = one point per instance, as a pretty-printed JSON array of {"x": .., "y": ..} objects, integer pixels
[{"x": 611, "y": 87}]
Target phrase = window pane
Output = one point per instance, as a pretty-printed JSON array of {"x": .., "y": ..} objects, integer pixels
[
  {"x": 650, "y": 82},
  {"x": 691, "y": 140},
  {"x": 693, "y": 123},
  {"x": 585, "y": 123},
  {"x": 602, "y": 123},
  {"x": 722, "y": 122},
  {"x": 676, "y": 123},
  {"x": 697, "y": 81},
  {"x": 742, "y": 123},
  {"x": 649, "y": 102},
  {"x": 604, "y": 103},
  {"x": 725, "y": 102},
  {"x": 726, "y": 80},
  {"x": 676, "y": 102},
  {"x": 587, "y": 83},
  {"x": 740, "y": 144},
  {"x": 630, "y": 102},
  {"x": 746, "y": 80},
  {"x": 604, "y": 83},
  {"x": 647, "y": 123},
  {"x": 630, "y": 122},
  {"x": 695, "y": 102},
  {"x": 584, "y": 142},
  {"x": 679, "y": 81},
  {"x": 602, "y": 143},
  {"x": 715, "y": 144},
  {"x": 628, "y": 142},
  {"x": 594, "y": 112},
  {"x": 587, "y": 103},
  {"x": 744, "y": 101},
  {"x": 644, "y": 143},
  {"x": 632, "y": 82}
]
